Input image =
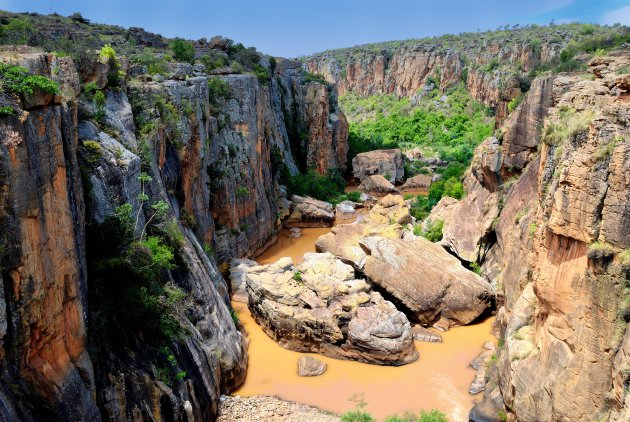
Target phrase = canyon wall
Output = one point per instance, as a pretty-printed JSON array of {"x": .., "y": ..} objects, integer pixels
[
  {"x": 557, "y": 252},
  {"x": 68, "y": 164},
  {"x": 403, "y": 71}
]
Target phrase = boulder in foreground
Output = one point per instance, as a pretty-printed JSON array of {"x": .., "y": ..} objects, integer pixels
[
  {"x": 432, "y": 284},
  {"x": 319, "y": 306}
]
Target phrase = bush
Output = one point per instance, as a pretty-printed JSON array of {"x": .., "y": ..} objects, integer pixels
[
  {"x": 357, "y": 416},
  {"x": 91, "y": 151},
  {"x": 155, "y": 65},
  {"x": 568, "y": 124},
  {"x": 514, "y": 102},
  {"x": 183, "y": 51},
  {"x": 262, "y": 74},
  {"x": 312, "y": 77},
  {"x": 423, "y": 416},
  {"x": 354, "y": 196},
  {"x": 433, "y": 231},
  {"x": 16, "y": 31},
  {"x": 213, "y": 61},
  {"x": 7, "y": 111},
  {"x": 325, "y": 188},
  {"x": 107, "y": 54},
  {"x": 600, "y": 250},
  {"x": 15, "y": 80}
]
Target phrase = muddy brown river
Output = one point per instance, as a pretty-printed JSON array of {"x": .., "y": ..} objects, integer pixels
[{"x": 438, "y": 380}]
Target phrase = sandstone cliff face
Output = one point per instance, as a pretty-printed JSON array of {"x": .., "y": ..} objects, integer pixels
[
  {"x": 43, "y": 260},
  {"x": 405, "y": 70},
  {"x": 565, "y": 311},
  {"x": 212, "y": 163}
]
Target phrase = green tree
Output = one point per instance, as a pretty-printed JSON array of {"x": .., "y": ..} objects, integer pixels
[{"x": 183, "y": 51}]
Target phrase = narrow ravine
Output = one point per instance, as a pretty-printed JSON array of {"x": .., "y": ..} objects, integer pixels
[{"x": 439, "y": 379}]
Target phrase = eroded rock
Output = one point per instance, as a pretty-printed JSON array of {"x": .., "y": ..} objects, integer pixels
[
  {"x": 309, "y": 366},
  {"x": 319, "y": 306},
  {"x": 385, "y": 162}
]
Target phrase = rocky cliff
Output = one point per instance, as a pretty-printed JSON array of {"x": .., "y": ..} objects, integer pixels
[
  {"x": 194, "y": 174},
  {"x": 494, "y": 66},
  {"x": 557, "y": 248}
]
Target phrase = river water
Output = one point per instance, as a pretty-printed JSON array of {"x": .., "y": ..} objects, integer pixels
[{"x": 438, "y": 380}]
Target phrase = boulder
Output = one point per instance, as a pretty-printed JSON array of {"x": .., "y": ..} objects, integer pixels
[
  {"x": 443, "y": 210},
  {"x": 377, "y": 184},
  {"x": 480, "y": 364},
  {"x": 343, "y": 241},
  {"x": 391, "y": 209},
  {"x": 385, "y": 162},
  {"x": 429, "y": 282},
  {"x": 320, "y": 307},
  {"x": 423, "y": 334},
  {"x": 310, "y": 212},
  {"x": 238, "y": 278},
  {"x": 345, "y": 207},
  {"x": 179, "y": 71},
  {"x": 418, "y": 182},
  {"x": 309, "y": 366}
]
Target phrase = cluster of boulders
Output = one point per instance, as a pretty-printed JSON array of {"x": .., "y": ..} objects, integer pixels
[
  {"x": 359, "y": 295},
  {"x": 382, "y": 172}
]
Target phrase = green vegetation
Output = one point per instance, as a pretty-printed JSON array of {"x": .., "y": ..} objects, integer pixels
[
  {"x": 213, "y": 61},
  {"x": 130, "y": 293},
  {"x": 601, "y": 250},
  {"x": 156, "y": 64},
  {"x": 449, "y": 129},
  {"x": 297, "y": 276},
  {"x": 424, "y": 416},
  {"x": 15, "y": 80},
  {"x": 16, "y": 31},
  {"x": 606, "y": 150},
  {"x": 312, "y": 77},
  {"x": 218, "y": 89},
  {"x": 242, "y": 191},
  {"x": 502, "y": 416},
  {"x": 99, "y": 105},
  {"x": 183, "y": 51},
  {"x": 432, "y": 232},
  {"x": 115, "y": 76},
  {"x": 328, "y": 188},
  {"x": 7, "y": 111},
  {"x": 91, "y": 151},
  {"x": 515, "y": 102},
  {"x": 358, "y": 414},
  {"x": 568, "y": 124}
]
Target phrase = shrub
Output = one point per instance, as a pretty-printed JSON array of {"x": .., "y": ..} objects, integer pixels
[
  {"x": 155, "y": 65},
  {"x": 213, "y": 61},
  {"x": 568, "y": 124},
  {"x": 107, "y": 54},
  {"x": 600, "y": 250},
  {"x": 326, "y": 188},
  {"x": 217, "y": 89},
  {"x": 7, "y": 111},
  {"x": 242, "y": 191},
  {"x": 262, "y": 74},
  {"x": 247, "y": 57},
  {"x": 433, "y": 231},
  {"x": 312, "y": 77},
  {"x": 354, "y": 196},
  {"x": 514, "y": 102},
  {"x": 606, "y": 150},
  {"x": 15, "y": 80},
  {"x": 91, "y": 151},
  {"x": 16, "y": 31},
  {"x": 183, "y": 51},
  {"x": 357, "y": 416},
  {"x": 423, "y": 416}
]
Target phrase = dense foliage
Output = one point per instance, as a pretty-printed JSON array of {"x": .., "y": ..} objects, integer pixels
[
  {"x": 17, "y": 80},
  {"x": 329, "y": 187},
  {"x": 448, "y": 127},
  {"x": 183, "y": 51}
]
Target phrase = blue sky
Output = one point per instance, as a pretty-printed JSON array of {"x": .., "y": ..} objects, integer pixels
[{"x": 295, "y": 27}]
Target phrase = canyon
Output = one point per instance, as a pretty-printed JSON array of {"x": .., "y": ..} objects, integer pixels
[{"x": 129, "y": 197}]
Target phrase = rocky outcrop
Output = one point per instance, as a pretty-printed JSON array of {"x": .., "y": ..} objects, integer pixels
[
  {"x": 377, "y": 185},
  {"x": 42, "y": 257},
  {"x": 431, "y": 284},
  {"x": 420, "y": 182},
  {"x": 209, "y": 162},
  {"x": 319, "y": 306},
  {"x": 385, "y": 162},
  {"x": 391, "y": 209},
  {"x": 310, "y": 212},
  {"x": 565, "y": 310},
  {"x": 269, "y": 409},
  {"x": 343, "y": 241}
]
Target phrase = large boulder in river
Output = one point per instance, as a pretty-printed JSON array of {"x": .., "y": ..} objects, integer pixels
[
  {"x": 343, "y": 240},
  {"x": 391, "y": 209},
  {"x": 377, "y": 185},
  {"x": 429, "y": 282},
  {"x": 310, "y": 212},
  {"x": 386, "y": 162},
  {"x": 319, "y": 306}
]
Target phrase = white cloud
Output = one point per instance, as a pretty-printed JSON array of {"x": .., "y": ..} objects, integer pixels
[{"x": 617, "y": 16}]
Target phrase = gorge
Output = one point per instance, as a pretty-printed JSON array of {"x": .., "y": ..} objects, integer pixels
[{"x": 173, "y": 212}]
